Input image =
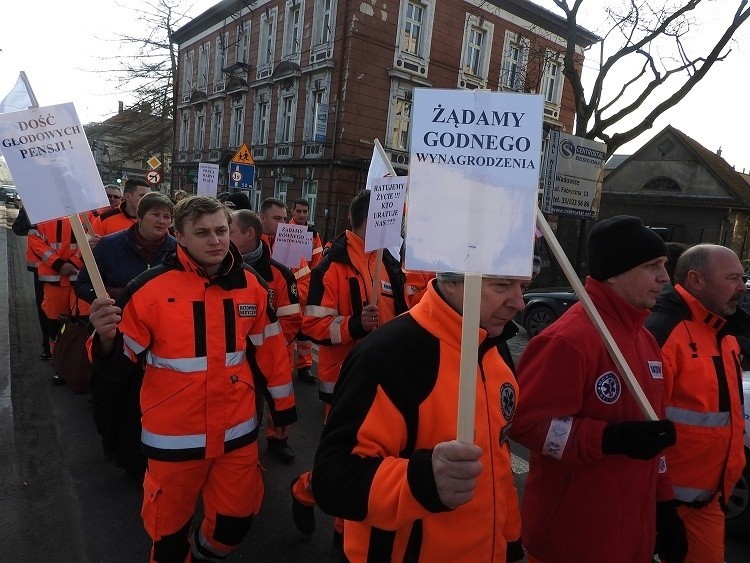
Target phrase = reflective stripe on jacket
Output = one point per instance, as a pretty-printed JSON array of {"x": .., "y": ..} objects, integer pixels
[
  {"x": 206, "y": 344},
  {"x": 703, "y": 381},
  {"x": 54, "y": 243}
]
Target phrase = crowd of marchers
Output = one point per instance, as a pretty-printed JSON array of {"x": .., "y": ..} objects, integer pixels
[{"x": 202, "y": 331}]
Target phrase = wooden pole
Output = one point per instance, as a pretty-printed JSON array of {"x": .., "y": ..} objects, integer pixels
[
  {"x": 609, "y": 342},
  {"x": 88, "y": 256},
  {"x": 467, "y": 386}
]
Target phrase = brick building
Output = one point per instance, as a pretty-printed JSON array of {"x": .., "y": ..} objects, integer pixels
[{"x": 308, "y": 84}]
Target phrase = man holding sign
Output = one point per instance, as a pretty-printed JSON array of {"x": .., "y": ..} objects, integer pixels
[
  {"x": 340, "y": 312},
  {"x": 596, "y": 476},
  {"x": 388, "y": 458}
]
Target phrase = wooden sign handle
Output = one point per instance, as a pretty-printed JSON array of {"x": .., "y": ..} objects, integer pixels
[
  {"x": 88, "y": 256},
  {"x": 609, "y": 342},
  {"x": 376, "y": 277},
  {"x": 467, "y": 386}
]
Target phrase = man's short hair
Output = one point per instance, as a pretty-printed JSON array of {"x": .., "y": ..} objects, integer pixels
[
  {"x": 245, "y": 219},
  {"x": 694, "y": 258},
  {"x": 302, "y": 202},
  {"x": 113, "y": 187},
  {"x": 358, "y": 209},
  {"x": 270, "y": 202},
  {"x": 132, "y": 184},
  {"x": 450, "y": 277},
  {"x": 153, "y": 200},
  {"x": 195, "y": 206}
]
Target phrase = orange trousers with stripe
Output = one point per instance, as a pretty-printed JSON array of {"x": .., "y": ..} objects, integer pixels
[{"x": 231, "y": 486}]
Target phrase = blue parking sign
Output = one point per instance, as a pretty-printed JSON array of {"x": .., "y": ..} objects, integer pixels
[{"x": 241, "y": 175}]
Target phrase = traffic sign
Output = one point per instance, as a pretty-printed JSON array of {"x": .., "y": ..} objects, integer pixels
[
  {"x": 243, "y": 156},
  {"x": 241, "y": 175},
  {"x": 154, "y": 162},
  {"x": 153, "y": 177}
]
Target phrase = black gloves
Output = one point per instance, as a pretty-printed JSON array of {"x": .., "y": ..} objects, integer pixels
[
  {"x": 515, "y": 552},
  {"x": 671, "y": 538},
  {"x": 638, "y": 440}
]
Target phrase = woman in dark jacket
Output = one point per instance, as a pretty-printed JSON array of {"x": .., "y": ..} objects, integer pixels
[{"x": 120, "y": 258}]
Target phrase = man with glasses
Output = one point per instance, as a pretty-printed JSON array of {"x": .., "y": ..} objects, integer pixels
[{"x": 123, "y": 213}]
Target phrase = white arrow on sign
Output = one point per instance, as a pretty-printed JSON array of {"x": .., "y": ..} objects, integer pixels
[{"x": 153, "y": 177}]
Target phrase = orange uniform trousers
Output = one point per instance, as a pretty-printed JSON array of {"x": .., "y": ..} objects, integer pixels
[
  {"x": 231, "y": 486},
  {"x": 705, "y": 532}
]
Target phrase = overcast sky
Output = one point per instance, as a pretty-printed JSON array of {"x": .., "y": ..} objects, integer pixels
[{"x": 60, "y": 45}]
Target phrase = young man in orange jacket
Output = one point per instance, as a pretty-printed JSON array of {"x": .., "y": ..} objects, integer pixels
[
  {"x": 695, "y": 323},
  {"x": 202, "y": 325}
]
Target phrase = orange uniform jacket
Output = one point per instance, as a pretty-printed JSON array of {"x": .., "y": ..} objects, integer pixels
[
  {"x": 398, "y": 398},
  {"x": 282, "y": 291},
  {"x": 203, "y": 342},
  {"x": 340, "y": 287},
  {"x": 703, "y": 382},
  {"x": 112, "y": 221},
  {"x": 54, "y": 243}
]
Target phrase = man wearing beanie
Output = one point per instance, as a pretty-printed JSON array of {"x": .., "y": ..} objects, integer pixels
[
  {"x": 695, "y": 323},
  {"x": 596, "y": 474}
]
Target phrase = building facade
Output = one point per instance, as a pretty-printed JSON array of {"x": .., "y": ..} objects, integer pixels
[{"x": 309, "y": 84}]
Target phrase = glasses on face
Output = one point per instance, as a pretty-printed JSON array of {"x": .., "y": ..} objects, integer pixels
[{"x": 114, "y": 196}]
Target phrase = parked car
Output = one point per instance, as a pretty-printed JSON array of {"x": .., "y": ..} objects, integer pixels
[
  {"x": 10, "y": 196},
  {"x": 738, "y": 504},
  {"x": 543, "y": 307}
]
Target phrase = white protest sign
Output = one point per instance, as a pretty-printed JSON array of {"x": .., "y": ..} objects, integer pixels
[
  {"x": 473, "y": 181},
  {"x": 51, "y": 162},
  {"x": 573, "y": 175},
  {"x": 208, "y": 179},
  {"x": 291, "y": 244},
  {"x": 385, "y": 212}
]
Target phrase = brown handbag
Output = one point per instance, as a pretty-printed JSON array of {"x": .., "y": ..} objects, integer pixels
[{"x": 69, "y": 356}]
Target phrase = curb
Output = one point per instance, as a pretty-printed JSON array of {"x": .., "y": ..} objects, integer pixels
[{"x": 6, "y": 405}]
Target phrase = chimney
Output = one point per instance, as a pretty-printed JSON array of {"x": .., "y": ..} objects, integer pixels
[
  {"x": 120, "y": 108},
  {"x": 718, "y": 153}
]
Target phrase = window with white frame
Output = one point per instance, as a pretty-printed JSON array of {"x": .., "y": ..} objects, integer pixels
[
  {"x": 256, "y": 194},
  {"x": 267, "y": 38},
  {"x": 217, "y": 125},
  {"x": 415, "y": 36},
  {"x": 237, "y": 126},
  {"x": 316, "y": 109},
  {"x": 203, "y": 58},
  {"x": 475, "y": 57},
  {"x": 243, "y": 43},
  {"x": 310, "y": 193},
  {"x": 552, "y": 80},
  {"x": 187, "y": 77},
  {"x": 515, "y": 58},
  {"x": 184, "y": 129},
  {"x": 324, "y": 27},
  {"x": 293, "y": 31},
  {"x": 221, "y": 61},
  {"x": 200, "y": 122},
  {"x": 400, "y": 122},
  {"x": 281, "y": 188},
  {"x": 286, "y": 119},
  {"x": 261, "y": 121}
]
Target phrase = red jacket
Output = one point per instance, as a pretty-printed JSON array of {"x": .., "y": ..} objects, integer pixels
[
  {"x": 578, "y": 503},
  {"x": 198, "y": 393}
]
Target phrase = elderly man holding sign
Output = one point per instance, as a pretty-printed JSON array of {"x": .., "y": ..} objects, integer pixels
[{"x": 598, "y": 489}]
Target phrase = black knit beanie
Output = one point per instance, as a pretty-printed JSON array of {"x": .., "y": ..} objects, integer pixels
[
  {"x": 240, "y": 200},
  {"x": 619, "y": 244}
]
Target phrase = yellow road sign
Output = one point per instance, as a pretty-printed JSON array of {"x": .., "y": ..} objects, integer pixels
[{"x": 243, "y": 156}]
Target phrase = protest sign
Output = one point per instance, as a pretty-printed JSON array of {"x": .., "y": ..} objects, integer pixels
[
  {"x": 573, "y": 175},
  {"x": 473, "y": 181},
  {"x": 208, "y": 179},
  {"x": 51, "y": 162},
  {"x": 385, "y": 213},
  {"x": 292, "y": 244}
]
